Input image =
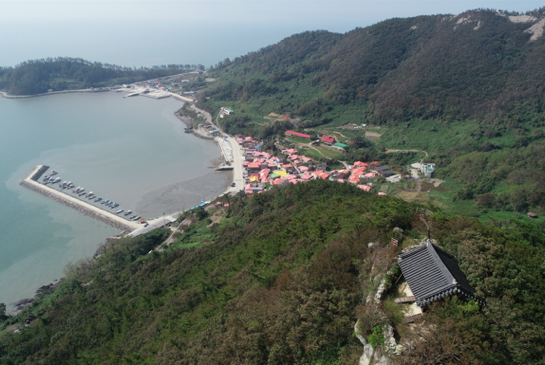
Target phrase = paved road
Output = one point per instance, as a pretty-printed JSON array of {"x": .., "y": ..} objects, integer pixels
[
  {"x": 238, "y": 156},
  {"x": 238, "y": 178},
  {"x": 152, "y": 224}
]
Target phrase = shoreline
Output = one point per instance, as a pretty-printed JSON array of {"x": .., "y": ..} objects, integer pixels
[
  {"x": 126, "y": 228},
  {"x": 7, "y": 96},
  {"x": 188, "y": 121}
]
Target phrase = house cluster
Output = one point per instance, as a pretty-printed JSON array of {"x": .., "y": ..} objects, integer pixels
[
  {"x": 210, "y": 129},
  {"x": 291, "y": 168},
  {"x": 171, "y": 85}
]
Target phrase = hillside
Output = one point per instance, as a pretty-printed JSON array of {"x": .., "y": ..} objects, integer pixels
[
  {"x": 475, "y": 64},
  {"x": 281, "y": 279},
  {"x": 467, "y": 89},
  {"x": 63, "y": 73}
]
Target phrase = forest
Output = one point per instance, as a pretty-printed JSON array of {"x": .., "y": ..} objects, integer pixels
[
  {"x": 63, "y": 73},
  {"x": 281, "y": 280}
]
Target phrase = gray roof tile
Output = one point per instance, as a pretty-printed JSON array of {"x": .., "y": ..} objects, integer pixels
[{"x": 433, "y": 274}]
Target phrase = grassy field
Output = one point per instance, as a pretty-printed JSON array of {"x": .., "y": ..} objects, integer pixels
[{"x": 330, "y": 153}]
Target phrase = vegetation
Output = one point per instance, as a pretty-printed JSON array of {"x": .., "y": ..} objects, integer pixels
[
  {"x": 282, "y": 279},
  {"x": 63, "y": 73},
  {"x": 283, "y": 276}
]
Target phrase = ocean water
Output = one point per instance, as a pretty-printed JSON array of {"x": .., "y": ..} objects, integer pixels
[{"x": 131, "y": 150}]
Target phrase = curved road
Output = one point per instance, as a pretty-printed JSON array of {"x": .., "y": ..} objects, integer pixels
[{"x": 238, "y": 156}]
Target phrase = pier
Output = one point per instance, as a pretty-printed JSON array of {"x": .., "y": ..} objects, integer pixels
[{"x": 31, "y": 182}]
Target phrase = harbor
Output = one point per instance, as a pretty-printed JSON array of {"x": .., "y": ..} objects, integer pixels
[
  {"x": 109, "y": 165},
  {"x": 31, "y": 182}
]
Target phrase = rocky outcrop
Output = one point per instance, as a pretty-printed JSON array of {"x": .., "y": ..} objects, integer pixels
[{"x": 367, "y": 356}]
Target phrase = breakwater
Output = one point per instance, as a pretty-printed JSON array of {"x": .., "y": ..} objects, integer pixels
[{"x": 30, "y": 182}]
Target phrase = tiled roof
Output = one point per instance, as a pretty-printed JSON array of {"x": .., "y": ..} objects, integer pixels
[
  {"x": 433, "y": 274},
  {"x": 328, "y": 139}
]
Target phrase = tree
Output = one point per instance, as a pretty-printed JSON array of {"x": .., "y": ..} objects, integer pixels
[{"x": 200, "y": 213}]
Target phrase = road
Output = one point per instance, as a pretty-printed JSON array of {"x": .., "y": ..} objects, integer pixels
[{"x": 238, "y": 156}]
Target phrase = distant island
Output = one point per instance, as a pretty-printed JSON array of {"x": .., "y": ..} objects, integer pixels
[{"x": 64, "y": 73}]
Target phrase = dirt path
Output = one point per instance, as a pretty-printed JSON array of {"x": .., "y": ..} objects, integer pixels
[
  {"x": 372, "y": 135},
  {"x": 392, "y": 151},
  {"x": 340, "y": 134}
]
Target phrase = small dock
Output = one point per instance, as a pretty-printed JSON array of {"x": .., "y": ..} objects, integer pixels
[{"x": 31, "y": 182}]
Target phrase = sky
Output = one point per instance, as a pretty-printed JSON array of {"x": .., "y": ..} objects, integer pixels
[{"x": 151, "y": 32}]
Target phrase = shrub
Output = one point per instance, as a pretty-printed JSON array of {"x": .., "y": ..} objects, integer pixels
[{"x": 376, "y": 338}]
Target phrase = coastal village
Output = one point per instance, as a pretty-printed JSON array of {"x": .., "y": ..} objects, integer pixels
[
  {"x": 261, "y": 169},
  {"x": 256, "y": 170},
  {"x": 341, "y": 203}
]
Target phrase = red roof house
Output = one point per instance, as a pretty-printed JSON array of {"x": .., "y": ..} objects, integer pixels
[
  {"x": 328, "y": 139},
  {"x": 364, "y": 187}
]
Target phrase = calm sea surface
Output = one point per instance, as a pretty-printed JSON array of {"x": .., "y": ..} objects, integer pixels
[{"x": 131, "y": 150}]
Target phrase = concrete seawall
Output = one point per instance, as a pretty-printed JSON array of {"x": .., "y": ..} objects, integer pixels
[{"x": 30, "y": 182}]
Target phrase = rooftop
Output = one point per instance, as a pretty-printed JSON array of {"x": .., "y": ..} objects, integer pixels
[{"x": 433, "y": 274}]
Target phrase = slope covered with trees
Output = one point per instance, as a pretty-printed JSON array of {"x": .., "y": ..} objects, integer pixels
[
  {"x": 63, "y": 73},
  {"x": 282, "y": 279},
  {"x": 476, "y": 64}
]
